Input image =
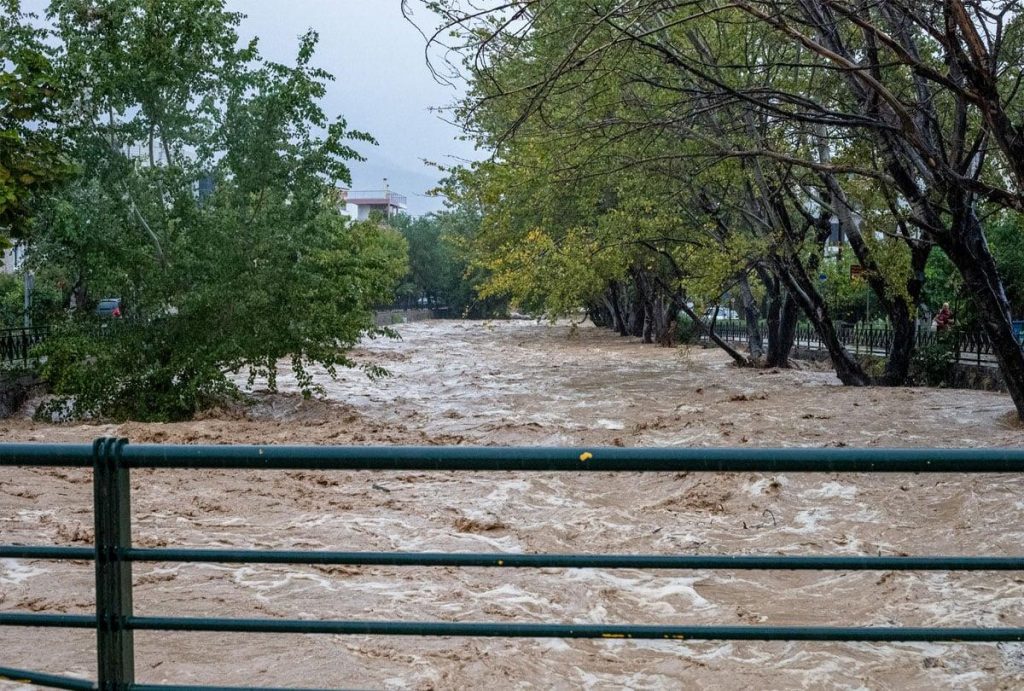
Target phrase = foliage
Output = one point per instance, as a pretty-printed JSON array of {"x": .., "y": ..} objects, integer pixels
[
  {"x": 126, "y": 370},
  {"x": 661, "y": 151},
  {"x": 944, "y": 284},
  {"x": 686, "y": 330},
  {"x": 849, "y": 298},
  {"x": 207, "y": 203},
  {"x": 1006, "y": 235},
  {"x": 11, "y": 301},
  {"x": 440, "y": 275},
  {"x": 32, "y": 151},
  {"x": 934, "y": 362},
  {"x": 45, "y": 305}
]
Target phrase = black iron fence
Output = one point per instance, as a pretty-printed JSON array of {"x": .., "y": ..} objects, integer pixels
[
  {"x": 16, "y": 344},
  {"x": 114, "y": 622},
  {"x": 969, "y": 347}
]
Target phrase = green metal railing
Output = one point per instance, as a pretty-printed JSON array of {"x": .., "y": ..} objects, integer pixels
[{"x": 115, "y": 622}]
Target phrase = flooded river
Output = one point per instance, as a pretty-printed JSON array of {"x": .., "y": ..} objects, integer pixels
[{"x": 521, "y": 383}]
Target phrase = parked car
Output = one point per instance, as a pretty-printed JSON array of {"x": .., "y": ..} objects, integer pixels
[
  {"x": 109, "y": 308},
  {"x": 723, "y": 313}
]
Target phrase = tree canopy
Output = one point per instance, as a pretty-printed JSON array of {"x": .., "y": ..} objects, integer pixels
[
  {"x": 205, "y": 199},
  {"x": 726, "y": 145},
  {"x": 33, "y": 152}
]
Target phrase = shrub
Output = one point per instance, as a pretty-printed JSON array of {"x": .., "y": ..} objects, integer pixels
[
  {"x": 686, "y": 329},
  {"x": 933, "y": 362}
]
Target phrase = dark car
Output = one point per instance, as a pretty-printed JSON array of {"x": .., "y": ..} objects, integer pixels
[{"x": 109, "y": 308}]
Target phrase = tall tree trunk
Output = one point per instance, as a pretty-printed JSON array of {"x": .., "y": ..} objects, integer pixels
[
  {"x": 904, "y": 341},
  {"x": 647, "y": 294},
  {"x": 904, "y": 321},
  {"x": 777, "y": 305},
  {"x": 783, "y": 315},
  {"x": 752, "y": 315},
  {"x": 847, "y": 369},
  {"x": 599, "y": 313},
  {"x": 789, "y": 319},
  {"x": 79, "y": 294},
  {"x": 897, "y": 364},
  {"x": 967, "y": 248},
  {"x": 668, "y": 325},
  {"x": 739, "y": 357},
  {"x": 636, "y": 308},
  {"x": 620, "y": 321}
]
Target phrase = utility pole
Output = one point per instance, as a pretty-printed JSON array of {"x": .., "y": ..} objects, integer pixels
[{"x": 30, "y": 282}]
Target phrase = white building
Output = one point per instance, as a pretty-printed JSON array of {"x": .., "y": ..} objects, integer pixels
[
  {"x": 13, "y": 258},
  {"x": 385, "y": 201}
]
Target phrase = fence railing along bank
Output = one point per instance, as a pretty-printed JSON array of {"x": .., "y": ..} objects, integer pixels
[
  {"x": 16, "y": 344},
  {"x": 114, "y": 622},
  {"x": 969, "y": 348},
  {"x": 391, "y": 317}
]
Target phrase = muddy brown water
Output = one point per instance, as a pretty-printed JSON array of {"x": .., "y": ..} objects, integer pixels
[{"x": 509, "y": 383}]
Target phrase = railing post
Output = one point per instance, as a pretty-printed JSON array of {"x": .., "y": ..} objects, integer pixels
[{"x": 112, "y": 506}]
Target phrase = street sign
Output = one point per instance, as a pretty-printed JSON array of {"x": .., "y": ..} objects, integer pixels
[
  {"x": 822, "y": 277},
  {"x": 856, "y": 272}
]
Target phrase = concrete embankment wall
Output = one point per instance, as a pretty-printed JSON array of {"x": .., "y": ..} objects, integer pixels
[
  {"x": 965, "y": 376},
  {"x": 15, "y": 387}
]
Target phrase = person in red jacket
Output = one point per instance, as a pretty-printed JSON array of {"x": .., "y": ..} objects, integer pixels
[{"x": 944, "y": 319}]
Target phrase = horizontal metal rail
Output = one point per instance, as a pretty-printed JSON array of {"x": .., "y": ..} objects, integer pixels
[
  {"x": 437, "y": 458},
  {"x": 47, "y": 455},
  {"x": 732, "y": 633},
  {"x": 429, "y": 628},
  {"x": 47, "y": 552},
  {"x": 538, "y": 561},
  {"x": 48, "y": 621},
  {"x": 112, "y": 556},
  {"x": 585, "y": 561},
  {"x": 543, "y": 459},
  {"x": 25, "y": 676},
  {"x": 52, "y": 680},
  {"x": 62, "y": 682}
]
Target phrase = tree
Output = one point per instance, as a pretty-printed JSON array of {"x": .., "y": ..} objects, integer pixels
[
  {"x": 207, "y": 202},
  {"x": 33, "y": 154},
  {"x": 894, "y": 108},
  {"x": 441, "y": 274}
]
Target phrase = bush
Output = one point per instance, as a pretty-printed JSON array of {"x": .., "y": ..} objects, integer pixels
[
  {"x": 47, "y": 301},
  {"x": 11, "y": 305},
  {"x": 125, "y": 370},
  {"x": 232, "y": 255},
  {"x": 167, "y": 364},
  {"x": 933, "y": 362},
  {"x": 686, "y": 329}
]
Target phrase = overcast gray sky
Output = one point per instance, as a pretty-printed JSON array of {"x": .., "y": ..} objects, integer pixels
[{"x": 382, "y": 83}]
